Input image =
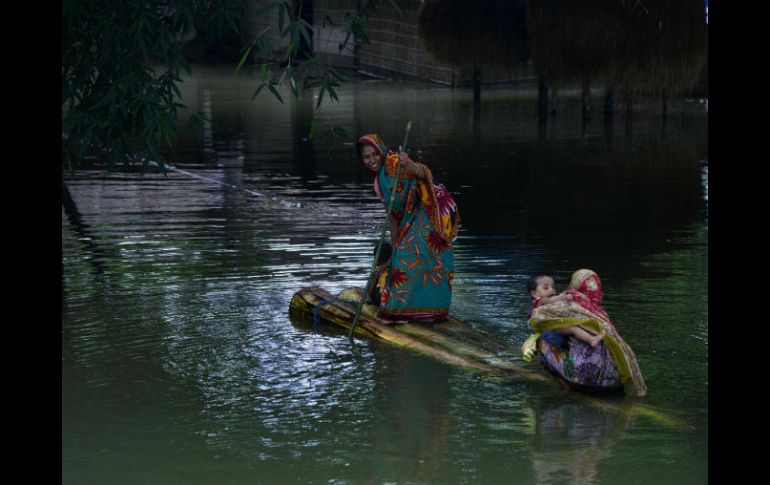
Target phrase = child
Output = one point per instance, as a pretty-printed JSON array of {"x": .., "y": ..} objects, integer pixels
[{"x": 541, "y": 287}]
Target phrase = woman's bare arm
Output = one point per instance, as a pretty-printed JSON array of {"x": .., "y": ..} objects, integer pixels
[
  {"x": 551, "y": 299},
  {"x": 408, "y": 164}
]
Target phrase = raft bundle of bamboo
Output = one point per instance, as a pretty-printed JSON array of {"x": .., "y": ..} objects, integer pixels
[{"x": 414, "y": 337}]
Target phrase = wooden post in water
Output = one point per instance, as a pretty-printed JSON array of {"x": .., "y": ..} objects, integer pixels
[
  {"x": 609, "y": 112},
  {"x": 609, "y": 94},
  {"x": 476, "y": 94},
  {"x": 553, "y": 99},
  {"x": 542, "y": 107},
  {"x": 585, "y": 98},
  {"x": 629, "y": 113}
]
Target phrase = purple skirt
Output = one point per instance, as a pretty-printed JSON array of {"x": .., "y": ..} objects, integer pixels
[{"x": 581, "y": 366}]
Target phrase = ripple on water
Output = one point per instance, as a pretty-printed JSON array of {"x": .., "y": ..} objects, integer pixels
[{"x": 176, "y": 340}]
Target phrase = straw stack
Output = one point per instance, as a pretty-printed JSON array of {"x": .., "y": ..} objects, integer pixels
[{"x": 480, "y": 33}]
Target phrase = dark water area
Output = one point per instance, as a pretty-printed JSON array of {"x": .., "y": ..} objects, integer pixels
[{"x": 181, "y": 364}]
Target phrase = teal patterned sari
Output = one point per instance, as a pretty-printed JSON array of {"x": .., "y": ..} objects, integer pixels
[{"x": 419, "y": 285}]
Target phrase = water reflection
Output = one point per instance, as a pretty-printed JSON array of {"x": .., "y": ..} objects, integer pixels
[
  {"x": 412, "y": 399},
  {"x": 705, "y": 180},
  {"x": 189, "y": 351},
  {"x": 569, "y": 441}
]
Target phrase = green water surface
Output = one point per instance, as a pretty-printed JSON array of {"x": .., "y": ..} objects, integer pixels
[{"x": 181, "y": 365}]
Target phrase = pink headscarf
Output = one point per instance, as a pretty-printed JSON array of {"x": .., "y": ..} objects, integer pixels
[
  {"x": 375, "y": 141},
  {"x": 586, "y": 287}
]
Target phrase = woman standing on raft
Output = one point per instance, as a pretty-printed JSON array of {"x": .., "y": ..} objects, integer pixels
[{"x": 423, "y": 224}]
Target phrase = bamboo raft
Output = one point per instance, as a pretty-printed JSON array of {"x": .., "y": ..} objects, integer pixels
[{"x": 443, "y": 342}]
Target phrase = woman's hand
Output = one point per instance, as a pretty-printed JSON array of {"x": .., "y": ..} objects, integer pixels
[
  {"x": 406, "y": 163},
  {"x": 553, "y": 299}
]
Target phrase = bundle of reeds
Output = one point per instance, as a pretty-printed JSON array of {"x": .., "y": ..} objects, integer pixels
[{"x": 481, "y": 33}]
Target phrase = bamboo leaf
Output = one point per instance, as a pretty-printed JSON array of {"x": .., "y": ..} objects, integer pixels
[
  {"x": 175, "y": 88},
  {"x": 275, "y": 93},
  {"x": 263, "y": 48},
  {"x": 246, "y": 52},
  {"x": 293, "y": 85},
  {"x": 312, "y": 82},
  {"x": 305, "y": 29},
  {"x": 193, "y": 121},
  {"x": 290, "y": 30},
  {"x": 336, "y": 73},
  {"x": 395, "y": 6},
  {"x": 290, "y": 49},
  {"x": 344, "y": 42},
  {"x": 341, "y": 132},
  {"x": 289, "y": 11},
  {"x": 259, "y": 88}
]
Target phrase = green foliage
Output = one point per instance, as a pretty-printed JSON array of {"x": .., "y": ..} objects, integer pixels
[
  {"x": 315, "y": 74},
  {"x": 121, "y": 63}
]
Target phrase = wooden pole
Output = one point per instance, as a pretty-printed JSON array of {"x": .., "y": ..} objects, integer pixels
[
  {"x": 476, "y": 92},
  {"x": 585, "y": 98}
]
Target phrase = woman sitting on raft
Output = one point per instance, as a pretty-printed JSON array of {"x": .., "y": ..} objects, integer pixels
[
  {"x": 610, "y": 365},
  {"x": 423, "y": 224}
]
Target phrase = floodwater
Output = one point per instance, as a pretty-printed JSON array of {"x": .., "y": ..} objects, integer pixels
[{"x": 181, "y": 364}]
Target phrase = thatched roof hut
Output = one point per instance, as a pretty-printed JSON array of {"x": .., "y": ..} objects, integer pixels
[
  {"x": 650, "y": 46},
  {"x": 480, "y": 33},
  {"x": 573, "y": 40},
  {"x": 665, "y": 48}
]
